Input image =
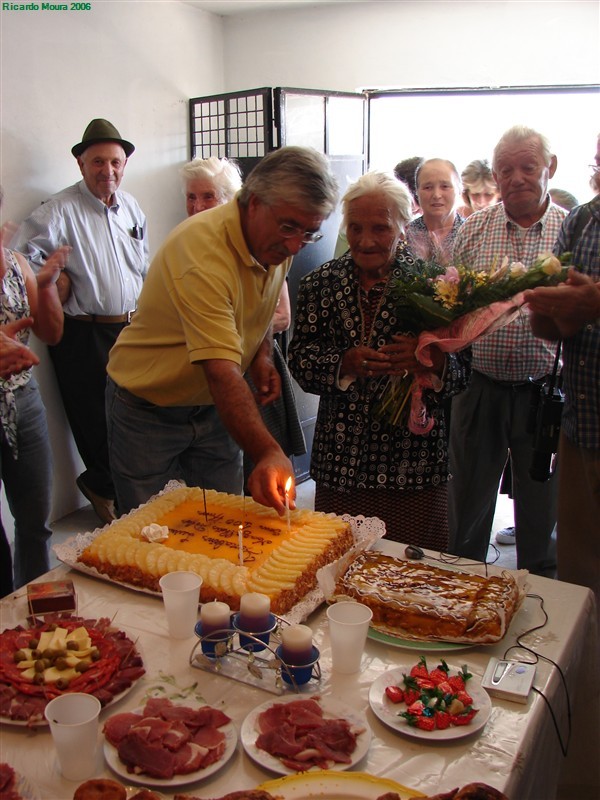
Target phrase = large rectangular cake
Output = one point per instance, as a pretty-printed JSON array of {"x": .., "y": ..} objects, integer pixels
[
  {"x": 416, "y": 600},
  {"x": 188, "y": 529}
]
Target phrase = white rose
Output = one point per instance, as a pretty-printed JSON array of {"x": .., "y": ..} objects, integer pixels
[
  {"x": 517, "y": 269},
  {"x": 549, "y": 264}
]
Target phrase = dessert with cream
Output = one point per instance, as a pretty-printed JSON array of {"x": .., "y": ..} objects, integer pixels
[{"x": 416, "y": 600}]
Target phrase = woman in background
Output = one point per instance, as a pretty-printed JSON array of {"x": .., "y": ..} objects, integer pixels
[
  {"x": 431, "y": 236},
  {"x": 348, "y": 338},
  {"x": 209, "y": 182},
  {"x": 27, "y": 301},
  {"x": 479, "y": 188}
]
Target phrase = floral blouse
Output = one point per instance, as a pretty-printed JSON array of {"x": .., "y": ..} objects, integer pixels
[
  {"x": 352, "y": 447},
  {"x": 14, "y": 305}
]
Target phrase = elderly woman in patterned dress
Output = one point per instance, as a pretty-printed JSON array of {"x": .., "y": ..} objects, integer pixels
[{"x": 348, "y": 338}]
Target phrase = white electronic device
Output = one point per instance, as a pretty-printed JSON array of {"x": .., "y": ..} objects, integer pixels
[{"x": 510, "y": 680}]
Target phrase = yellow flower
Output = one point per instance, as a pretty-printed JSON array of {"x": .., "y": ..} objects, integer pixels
[{"x": 447, "y": 292}]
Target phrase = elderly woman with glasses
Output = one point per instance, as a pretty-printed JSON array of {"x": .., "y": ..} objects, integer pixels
[{"x": 349, "y": 338}]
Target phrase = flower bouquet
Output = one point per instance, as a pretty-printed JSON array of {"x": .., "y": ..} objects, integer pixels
[{"x": 450, "y": 308}]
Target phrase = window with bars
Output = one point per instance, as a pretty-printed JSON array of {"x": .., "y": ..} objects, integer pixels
[{"x": 234, "y": 125}]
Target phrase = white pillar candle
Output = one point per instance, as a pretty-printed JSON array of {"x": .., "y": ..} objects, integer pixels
[
  {"x": 254, "y": 612},
  {"x": 296, "y": 644},
  {"x": 214, "y": 616}
]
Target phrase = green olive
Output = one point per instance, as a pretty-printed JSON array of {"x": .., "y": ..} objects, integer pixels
[
  {"x": 47, "y": 653},
  {"x": 33, "y": 643},
  {"x": 62, "y": 683},
  {"x": 60, "y": 653},
  {"x": 20, "y": 655},
  {"x": 36, "y": 654},
  {"x": 40, "y": 665},
  {"x": 52, "y": 627},
  {"x": 83, "y": 666},
  {"x": 39, "y": 678},
  {"x": 72, "y": 645},
  {"x": 95, "y": 654},
  {"x": 61, "y": 664}
]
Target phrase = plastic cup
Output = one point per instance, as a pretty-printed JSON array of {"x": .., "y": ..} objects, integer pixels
[
  {"x": 181, "y": 595},
  {"x": 348, "y": 627},
  {"x": 73, "y": 720}
]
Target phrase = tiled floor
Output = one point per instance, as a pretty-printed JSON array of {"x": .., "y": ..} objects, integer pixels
[{"x": 85, "y": 520}]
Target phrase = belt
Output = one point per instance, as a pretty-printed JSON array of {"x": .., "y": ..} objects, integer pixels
[
  {"x": 512, "y": 384},
  {"x": 103, "y": 320}
]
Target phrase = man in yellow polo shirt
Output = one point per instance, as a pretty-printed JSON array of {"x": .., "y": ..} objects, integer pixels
[{"x": 177, "y": 403}]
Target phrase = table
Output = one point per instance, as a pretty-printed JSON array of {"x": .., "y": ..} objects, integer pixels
[{"x": 518, "y": 751}]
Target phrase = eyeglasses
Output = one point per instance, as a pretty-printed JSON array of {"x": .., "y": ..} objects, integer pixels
[
  {"x": 287, "y": 231},
  {"x": 291, "y": 231}
]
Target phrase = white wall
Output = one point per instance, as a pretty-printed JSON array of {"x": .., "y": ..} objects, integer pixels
[
  {"x": 137, "y": 64},
  {"x": 418, "y": 43},
  {"x": 134, "y": 63}
]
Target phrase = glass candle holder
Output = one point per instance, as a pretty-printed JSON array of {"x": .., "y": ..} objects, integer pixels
[
  {"x": 298, "y": 674},
  {"x": 248, "y": 637}
]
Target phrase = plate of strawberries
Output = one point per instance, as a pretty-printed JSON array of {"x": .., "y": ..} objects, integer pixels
[{"x": 434, "y": 702}]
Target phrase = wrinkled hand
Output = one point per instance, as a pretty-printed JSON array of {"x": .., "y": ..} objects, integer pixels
[
  {"x": 268, "y": 479},
  {"x": 569, "y": 305},
  {"x": 15, "y": 356},
  {"x": 266, "y": 380}
]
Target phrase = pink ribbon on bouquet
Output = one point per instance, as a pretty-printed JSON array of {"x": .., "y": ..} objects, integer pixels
[{"x": 452, "y": 338}]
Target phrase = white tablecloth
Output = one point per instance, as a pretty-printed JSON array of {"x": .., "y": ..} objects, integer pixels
[{"x": 518, "y": 751}]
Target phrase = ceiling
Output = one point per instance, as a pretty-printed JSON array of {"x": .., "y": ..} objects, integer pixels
[{"x": 228, "y": 8}]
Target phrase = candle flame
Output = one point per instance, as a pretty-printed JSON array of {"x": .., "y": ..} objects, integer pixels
[{"x": 288, "y": 485}]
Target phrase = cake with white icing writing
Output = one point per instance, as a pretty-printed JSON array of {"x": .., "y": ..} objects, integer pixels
[{"x": 203, "y": 535}]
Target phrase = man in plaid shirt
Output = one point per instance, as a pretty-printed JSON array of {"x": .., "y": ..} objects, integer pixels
[
  {"x": 573, "y": 313},
  {"x": 489, "y": 420}
]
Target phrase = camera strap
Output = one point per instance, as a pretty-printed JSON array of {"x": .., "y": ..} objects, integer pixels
[{"x": 556, "y": 377}]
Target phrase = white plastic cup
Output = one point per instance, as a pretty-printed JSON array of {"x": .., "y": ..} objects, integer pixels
[
  {"x": 348, "y": 628},
  {"x": 181, "y": 595},
  {"x": 73, "y": 720}
]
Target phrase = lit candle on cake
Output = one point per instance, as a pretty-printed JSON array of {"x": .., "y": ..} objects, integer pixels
[
  {"x": 288, "y": 486},
  {"x": 241, "y": 545},
  {"x": 255, "y": 609},
  {"x": 296, "y": 645},
  {"x": 214, "y": 616}
]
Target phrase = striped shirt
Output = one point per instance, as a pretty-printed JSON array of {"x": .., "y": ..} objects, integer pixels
[
  {"x": 512, "y": 353},
  {"x": 581, "y": 370}
]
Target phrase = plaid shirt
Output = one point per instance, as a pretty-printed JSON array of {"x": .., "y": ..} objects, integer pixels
[
  {"x": 581, "y": 370},
  {"x": 512, "y": 353}
]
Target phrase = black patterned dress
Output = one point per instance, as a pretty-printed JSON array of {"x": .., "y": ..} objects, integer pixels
[{"x": 360, "y": 463}]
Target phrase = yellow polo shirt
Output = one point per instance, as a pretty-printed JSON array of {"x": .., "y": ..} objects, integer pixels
[{"x": 205, "y": 297}]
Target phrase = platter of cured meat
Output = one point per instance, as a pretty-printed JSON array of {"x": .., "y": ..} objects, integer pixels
[
  {"x": 166, "y": 744},
  {"x": 63, "y": 654},
  {"x": 296, "y": 735}
]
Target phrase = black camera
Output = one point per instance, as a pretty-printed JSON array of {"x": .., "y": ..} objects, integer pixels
[{"x": 545, "y": 412}]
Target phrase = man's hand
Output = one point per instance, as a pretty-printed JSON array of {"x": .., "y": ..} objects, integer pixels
[
  {"x": 566, "y": 307},
  {"x": 268, "y": 480},
  {"x": 266, "y": 380},
  {"x": 14, "y": 356}
]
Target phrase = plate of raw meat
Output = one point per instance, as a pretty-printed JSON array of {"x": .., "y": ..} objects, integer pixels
[
  {"x": 164, "y": 744},
  {"x": 297, "y": 735}
]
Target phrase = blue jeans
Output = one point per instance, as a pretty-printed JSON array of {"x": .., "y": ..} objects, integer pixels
[
  {"x": 150, "y": 445},
  {"x": 28, "y": 485}
]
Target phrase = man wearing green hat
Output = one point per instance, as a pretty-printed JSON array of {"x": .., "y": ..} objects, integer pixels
[{"x": 106, "y": 229}]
